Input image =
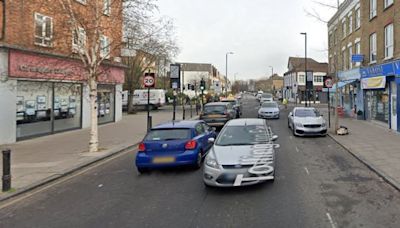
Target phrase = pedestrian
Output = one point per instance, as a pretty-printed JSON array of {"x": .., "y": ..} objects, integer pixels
[{"x": 285, "y": 102}]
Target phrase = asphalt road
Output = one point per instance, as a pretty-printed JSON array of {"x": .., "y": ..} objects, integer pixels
[{"x": 318, "y": 184}]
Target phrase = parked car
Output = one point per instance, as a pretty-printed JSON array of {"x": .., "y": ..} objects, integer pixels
[
  {"x": 175, "y": 144},
  {"x": 266, "y": 97},
  {"x": 243, "y": 154},
  {"x": 217, "y": 113},
  {"x": 269, "y": 110},
  {"x": 306, "y": 121},
  {"x": 236, "y": 106}
]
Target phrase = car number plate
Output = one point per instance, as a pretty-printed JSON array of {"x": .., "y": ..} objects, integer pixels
[{"x": 161, "y": 160}]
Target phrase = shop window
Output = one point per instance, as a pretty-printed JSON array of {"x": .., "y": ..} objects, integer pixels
[
  {"x": 380, "y": 105},
  {"x": 106, "y": 103},
  {"x": 67, "y": 106},
  {"x": 43, "y": 30},
  {"x": 34, "y": 105}
]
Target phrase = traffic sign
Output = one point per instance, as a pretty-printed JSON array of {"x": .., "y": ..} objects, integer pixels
[
  {"x": 328, "y": 82},
  {"x": 149, "y": 80}
]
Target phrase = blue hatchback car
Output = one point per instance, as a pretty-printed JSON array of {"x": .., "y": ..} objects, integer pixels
[{"x": 175, "y": 144}]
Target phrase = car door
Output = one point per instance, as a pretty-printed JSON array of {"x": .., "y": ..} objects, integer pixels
[
  {"x": 291, "y": 114},
  {"x": 209, "y": 133}
]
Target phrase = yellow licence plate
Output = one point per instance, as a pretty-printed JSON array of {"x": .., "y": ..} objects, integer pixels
[
  {"x": 215, "y": 116},
  {"x": 160, "y": 160}
]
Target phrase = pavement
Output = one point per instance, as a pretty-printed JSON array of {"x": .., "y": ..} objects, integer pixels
[
  {"x": 41, "y": 160},
  {"x": 318, "y": 184}
]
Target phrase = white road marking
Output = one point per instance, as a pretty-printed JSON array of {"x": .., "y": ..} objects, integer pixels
[
  {"x": 290, "y": 137},
  {"x": 308, "y": 172},
  {"x": 330, "y": 220},
  {"x": 297, "y": 149}
]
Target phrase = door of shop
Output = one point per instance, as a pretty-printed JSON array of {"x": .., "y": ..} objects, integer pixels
[{"x": 394, "y": 106}]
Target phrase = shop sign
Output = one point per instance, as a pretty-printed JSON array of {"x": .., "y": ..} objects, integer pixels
[
  {"x": 373, "y": 83},
  {"x": 353, "y": 74},
  {"x": 26, "y": 65},
  {"x": 387, "y": 69},
  {"x": 357, "y": 58}
]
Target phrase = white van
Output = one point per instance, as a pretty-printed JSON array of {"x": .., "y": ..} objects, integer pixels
[{"x": 157, "y": 98}]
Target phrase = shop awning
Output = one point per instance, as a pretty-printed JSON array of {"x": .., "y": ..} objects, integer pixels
[
  {"x": 373, "y": 83},
  {"x": 341, "y": 84}
]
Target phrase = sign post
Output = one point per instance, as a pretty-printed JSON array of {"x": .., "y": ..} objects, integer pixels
[
  {"x": 175, "y": 78},
  {"x": 328, "y": 83},
  {"x": 149, "y": 82}
]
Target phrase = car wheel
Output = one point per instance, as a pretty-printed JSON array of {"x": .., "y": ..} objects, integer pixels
[
  {"x": 142, "y": 170},
  {"x": 288, "y": 124},
  {"x": 198, "y": 160},
  {"x": 294, "y": 131}
]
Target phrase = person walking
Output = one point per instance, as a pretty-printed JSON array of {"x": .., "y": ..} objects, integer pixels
[{"x": 285, "y": 102}]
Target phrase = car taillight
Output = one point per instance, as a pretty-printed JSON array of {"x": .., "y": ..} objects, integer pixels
[
  {"x": 142, "y": 147},
  {"x": 190, "y": 145}
]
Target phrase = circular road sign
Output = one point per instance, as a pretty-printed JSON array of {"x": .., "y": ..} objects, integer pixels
[
  {"x": 328, "y": 82},
  {"x": 148, "y": 81}
]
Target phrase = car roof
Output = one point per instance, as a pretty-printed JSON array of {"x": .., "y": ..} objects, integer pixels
[
  {"x": 304, "y": 108},
  {"x": 216, "y": 103},
  {"x": 246, "y": 122},
  {"x": 179, "y": 124}
]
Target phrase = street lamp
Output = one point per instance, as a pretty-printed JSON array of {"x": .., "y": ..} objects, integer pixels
[
  {"x": 305, "y": 67},
  {"x": 272, "y": 70},
  {"x": 226, "y": 72}
]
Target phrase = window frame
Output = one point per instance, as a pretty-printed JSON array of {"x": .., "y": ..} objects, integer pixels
[
  {"x": 107, "y": 7},
  {"x": 77, "y": 47},
  {"x": 372, "y": 48},
  {"x": 387, "y": 3},
  {"x": 350, "y": 53},
  {"x": 387, "y": 46},
  {"x": 358, "y": 18},
  {"x": 372, "y": 9},
  {"x": 344, "y": 28},
  {"x": 350, "y": 23},
  {"x": 82, "y": 1},
  {"x": 105, "y": 51},
  {"x": 357, "y": 48},
  {"x": 43, "y": 38}
]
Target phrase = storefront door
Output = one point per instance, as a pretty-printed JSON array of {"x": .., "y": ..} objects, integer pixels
[{"x": 394, "y": 106}]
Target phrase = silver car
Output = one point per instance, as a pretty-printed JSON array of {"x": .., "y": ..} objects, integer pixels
[
  {"x": 243, "y": 154},
  {"x": 269, "y": 110},
  {"x": 306, "y": 121}
]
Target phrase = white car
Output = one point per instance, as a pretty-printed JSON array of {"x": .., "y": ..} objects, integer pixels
[
  {"x": 266, "y": 97},
  {"x": 269, "y": 110},
  {"x": 307, "y": 121}
]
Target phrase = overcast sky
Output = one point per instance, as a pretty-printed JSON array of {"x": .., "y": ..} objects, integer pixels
[{"x": 261, "y": 33}]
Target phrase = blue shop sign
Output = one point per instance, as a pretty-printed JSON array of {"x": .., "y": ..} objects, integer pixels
[
  {"x": 387, "y": 69},
  {"x": 353, "y": 74},
  {"x": 357, "y": 58}
]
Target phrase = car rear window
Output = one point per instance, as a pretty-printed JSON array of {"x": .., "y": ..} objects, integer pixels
[
  {"x": 266, "y": 95},
  {"x": 168, "y": 134},
  {"x": 214, "y": 109}
]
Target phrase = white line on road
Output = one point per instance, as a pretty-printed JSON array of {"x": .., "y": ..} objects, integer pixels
[
  {"x": 290, "y": 137},
  {"x": 330, "y": 220},
  {"x": 297, "y": 149},
  {"x": 308, "y": 172}
]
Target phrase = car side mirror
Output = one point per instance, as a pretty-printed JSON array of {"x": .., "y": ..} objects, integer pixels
[
  {"x": 211, "y": 140},
  {"x": 274, "y": 137},
  {"x": 212, "y": 129},
  {"x": 291, "y": 114}
]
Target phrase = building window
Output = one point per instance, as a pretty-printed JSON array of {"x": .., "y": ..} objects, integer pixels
[
  {"x": 389, "y": 41},
  {"x": 107, "y": 7},
  {"x": 82, "y": 1},
  {"x": 358, "y": 51},
  {"x": 388, "y": 3},
  {"x": 43, "y": 30},
  {"x": 350, "y": 24},
  {"x": 301, "y": 79},
  {"x": 358, "y": 18},
  {"x": 372, "y": 48},
  {"x": 372, "y": 9},
  {"x": 350, "y": 57},
  {"x": 344, "y": 28},
  {"x": 344, "y": 60},
  {"x": 104, "y": 47},
  {"x": 318, "y": 78},
  {"x": 78, "y": 40},
  {"x": 335, "y": 36}
]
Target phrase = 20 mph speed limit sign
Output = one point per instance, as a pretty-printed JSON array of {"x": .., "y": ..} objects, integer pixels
[
  {"x": 328, "y": 82},
  {"x": 149, "y": 80}
]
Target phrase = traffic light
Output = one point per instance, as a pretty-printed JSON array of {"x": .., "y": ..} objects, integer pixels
[{"x": 202, "y": 84}]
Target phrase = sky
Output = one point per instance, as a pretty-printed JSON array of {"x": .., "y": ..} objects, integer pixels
[{"x": 261, "y": 33}]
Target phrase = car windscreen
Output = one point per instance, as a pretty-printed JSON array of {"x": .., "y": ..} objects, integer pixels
[
  {"x": 242, "y": 135},
  {"x": 266, "y": 95},
  {"x": 168, "y": 134},
  {"x": 214, "y": 109},
  {"x": 230, "y": 101},
  {"x": 269, "y": 105},
  {"x": 306, "y": 113}
]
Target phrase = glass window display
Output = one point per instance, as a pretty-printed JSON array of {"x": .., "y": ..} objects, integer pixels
[
  {"x": 106, "y": 103},
  {"x": 67, "y": 106}
]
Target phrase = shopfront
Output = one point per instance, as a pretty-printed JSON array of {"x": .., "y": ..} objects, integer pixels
[
  {"x": 50, "y": 95},
  {"x": 350, "y": 93},
  {"x": 381, "y": 85}
]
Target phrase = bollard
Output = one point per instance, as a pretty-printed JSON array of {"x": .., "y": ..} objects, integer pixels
[{"x": 6, "y": 170}]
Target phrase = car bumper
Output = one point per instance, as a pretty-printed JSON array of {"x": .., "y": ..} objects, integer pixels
[
  {"x": 144, "y": 160},
  {"x": 302, "y": 131},
  {"x": 216, "y": 122},
  {"x": 267, "y": 115},
  {"x": 227, "y": 177}
]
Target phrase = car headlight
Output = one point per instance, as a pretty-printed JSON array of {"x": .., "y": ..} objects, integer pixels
[
  {"x": 212, "y": 163},
  {"x": 323, "y": 125},
  {"x": 298, "y": 124}
]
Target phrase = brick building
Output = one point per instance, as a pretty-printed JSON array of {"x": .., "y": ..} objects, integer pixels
[
  {"x": 364, "y": 54},
  {"x": 294, "y": 80},
  {"x": 43, "y": 82}
]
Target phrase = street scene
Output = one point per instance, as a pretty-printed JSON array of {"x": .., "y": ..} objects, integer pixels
[{"x": 177, "y": 113}]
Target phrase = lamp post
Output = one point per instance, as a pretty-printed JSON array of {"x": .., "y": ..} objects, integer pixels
[
  {"x": 226, "y": 72},
  {"x": 305, "y": 67},
  {"x": 272, "y": 70}
]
